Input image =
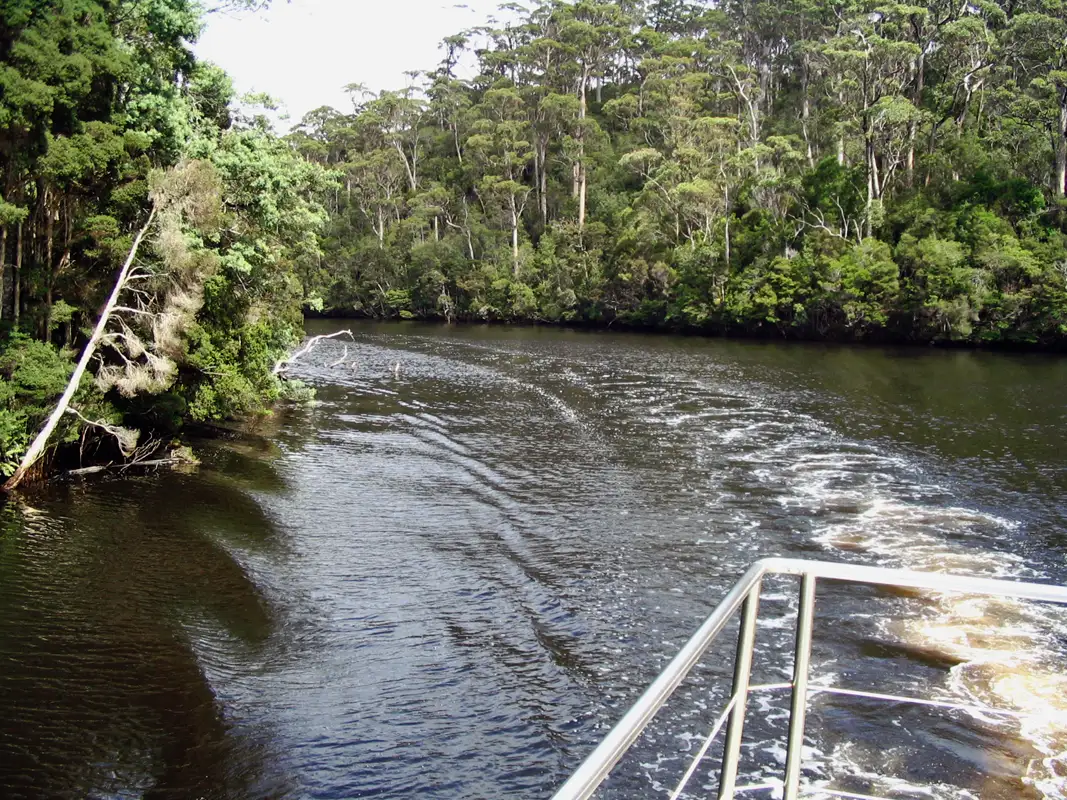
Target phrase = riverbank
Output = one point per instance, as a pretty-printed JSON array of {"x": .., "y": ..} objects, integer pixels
[{"x": 876, "y": 339}]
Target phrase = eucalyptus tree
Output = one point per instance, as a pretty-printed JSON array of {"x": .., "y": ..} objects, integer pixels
[
  {"x": 873, "y": 51},
  {"x": 590, "y": 33},
  {"x": 500, "y": 143},
  {"x": 847, "y": 169},
  {"x": 1035, "y": 44}
]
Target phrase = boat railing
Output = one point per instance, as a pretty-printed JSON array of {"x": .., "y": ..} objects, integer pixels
[{"x": 745, "y": 597}]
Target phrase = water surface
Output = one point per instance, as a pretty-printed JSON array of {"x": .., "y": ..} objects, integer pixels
[{"x": 449, "y": 577}]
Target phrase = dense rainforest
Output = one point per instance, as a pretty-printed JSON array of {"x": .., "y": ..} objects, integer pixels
[
  {"x": 108, "y": 127},
  {"x": 832, "y": 169}
]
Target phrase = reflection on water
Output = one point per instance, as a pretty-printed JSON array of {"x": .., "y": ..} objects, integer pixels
[
  {"x": 111, "y": 595},
  {"x": 448, "y": 581}
]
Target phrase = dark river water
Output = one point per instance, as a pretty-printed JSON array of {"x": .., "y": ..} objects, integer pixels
[{"x": 451, "y": 575}]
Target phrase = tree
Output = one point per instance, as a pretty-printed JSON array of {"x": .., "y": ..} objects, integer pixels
[
  {"x": 742, "y": 165},
  {"x": 500, "y": 145}
]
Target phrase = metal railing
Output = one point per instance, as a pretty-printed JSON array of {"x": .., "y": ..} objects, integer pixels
[{"x": 744, "y": 596}]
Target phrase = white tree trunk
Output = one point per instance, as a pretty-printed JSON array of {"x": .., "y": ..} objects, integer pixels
[
  {"x": 580, "y": 175},
  {"x": 514, "y": 238},
  {"x": 3, "y": 267},
  {"x": 1061, "y": 149},
  {"x": 36, "y": 450}
]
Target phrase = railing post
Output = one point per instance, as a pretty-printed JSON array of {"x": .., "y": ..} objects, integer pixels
[
  {"x": 746, "y": 640},
  {"x": 799, "y": 706}
]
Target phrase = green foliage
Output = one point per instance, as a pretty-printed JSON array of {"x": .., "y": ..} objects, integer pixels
[
  {"x": 32, "y": 375},
  {"x": 397, "y": 302},
  {"x": 799, "y": 170},
  {"x": 105, "y": 113}
]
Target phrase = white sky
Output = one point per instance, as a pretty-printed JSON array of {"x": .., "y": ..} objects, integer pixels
[{"x": 303, "y": 52}]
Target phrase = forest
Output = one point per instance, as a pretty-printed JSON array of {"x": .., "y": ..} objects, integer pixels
[
  {"x": 843, "y": 170},
  {"x": 111, "y": 132}
]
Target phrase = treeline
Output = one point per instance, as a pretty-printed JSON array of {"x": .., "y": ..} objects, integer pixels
[
  {"x": 835, "y": 169},
  {"x": 842, "y": 170},
  {"x": 108, "y": 122}
]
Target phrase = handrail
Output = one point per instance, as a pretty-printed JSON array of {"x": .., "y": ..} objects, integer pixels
[
  {"x": 599, "y": 763},
  {"x": 940, "y": 582},
  {"x": 596, "y": 767}
]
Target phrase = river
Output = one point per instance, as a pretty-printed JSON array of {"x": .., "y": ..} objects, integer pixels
[{"x": 452, "y": 574}]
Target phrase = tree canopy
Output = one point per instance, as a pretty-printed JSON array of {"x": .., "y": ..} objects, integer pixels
[
  {"x": 107, "y": 120},
  {"x": 844, "y": 169}
]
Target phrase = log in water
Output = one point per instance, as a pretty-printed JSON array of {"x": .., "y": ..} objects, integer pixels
[{"x": 449, "y": 577}]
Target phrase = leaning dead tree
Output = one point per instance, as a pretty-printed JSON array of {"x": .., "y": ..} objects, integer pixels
[
  {"x": 139, "y": 336},
  {"x": 40, "y": 443}
]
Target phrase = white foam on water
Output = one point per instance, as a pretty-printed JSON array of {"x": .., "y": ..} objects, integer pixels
[
  {"x": 848, "y": 758},
  {"x": 1008, "y": 653},
  {"x": 879, "y": 508}
]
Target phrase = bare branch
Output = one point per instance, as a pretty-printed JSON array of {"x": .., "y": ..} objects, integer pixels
[
  {"x": 129, "y": 310},
  {"x": 284, "y": 363},
  {"x": 125, "y": 437},
  {"x": 341, "y": 360}
]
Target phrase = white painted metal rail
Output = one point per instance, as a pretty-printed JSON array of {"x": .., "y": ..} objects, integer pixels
[{"x": 744, "y": 597}]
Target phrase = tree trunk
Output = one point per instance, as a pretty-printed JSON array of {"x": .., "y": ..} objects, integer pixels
[
  {"x": 581, "y": 200},
  {"x": 913, "y": 126},
  {"x": 805, "y": 111},
  {"x": 409, "y": 168},
  {"x": 872, "y": 178},
  {"x": 581, "y": 176},
  {"x": 17, "y": 277},
  {"x": 36, "y": 450},
  {"x": 3, "y": 267},
  {"x": 49, "y": 230},
  {"x": 467, "y": 228},
  {"x": 766, "y": 81},
  {"x": 537, "y": 172},
  {"x": 514, "y": 238},
  {"x": 1061, "y": 149},
  {"x": 841, "y": 132},
  {"x": 726, "y": 192},
  {"x": 542, "y": 193}
]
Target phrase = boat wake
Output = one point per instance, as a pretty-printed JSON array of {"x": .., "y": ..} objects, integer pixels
[
  {"x": 696, "y": 467},
  {"x": 857, "y": 503},
  {"x": 1003, "y": 655}
]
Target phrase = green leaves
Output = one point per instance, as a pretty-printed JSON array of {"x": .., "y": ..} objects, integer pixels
[
  {"x": 78, "y": 161},
  {"x": 867, "y": 170},
  {"x": 32, "y": 375}
]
